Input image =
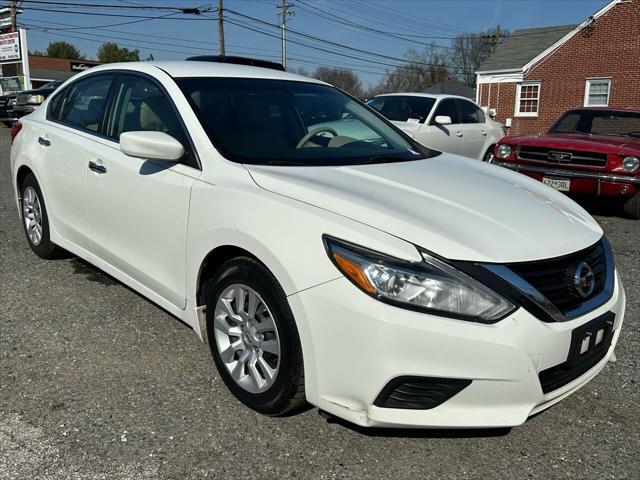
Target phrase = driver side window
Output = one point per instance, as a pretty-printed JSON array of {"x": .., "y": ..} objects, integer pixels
[{"x": 140, "y": 105}]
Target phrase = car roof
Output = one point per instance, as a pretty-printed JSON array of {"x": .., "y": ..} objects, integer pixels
[
  {"x": 606, "y": 109},
  {"x": 436, "y": 96},
  {"x": 191, "y": 68}
]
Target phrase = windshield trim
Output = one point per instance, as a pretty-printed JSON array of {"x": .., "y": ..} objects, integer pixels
[{"x": 423, "y": 151}]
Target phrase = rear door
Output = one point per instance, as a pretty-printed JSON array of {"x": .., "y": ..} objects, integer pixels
[
  {"x": 446, "y": 138},
  {"x": 139, "y": 207},
  {"x": 74, "y": 118},
  {"x": 474, "y": 128}
]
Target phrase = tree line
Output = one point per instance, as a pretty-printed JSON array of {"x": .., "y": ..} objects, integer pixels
[{"x": 423, "y": 67}]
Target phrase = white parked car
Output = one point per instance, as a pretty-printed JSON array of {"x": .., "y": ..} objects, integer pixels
[
  {"x": 361, "y": 273},
  {"x": 448, "y": 123}
]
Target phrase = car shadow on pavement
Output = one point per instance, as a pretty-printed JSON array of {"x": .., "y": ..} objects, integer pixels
[
  {"x": 415, "y": 432},
  {"x": 603, "y": 206}
]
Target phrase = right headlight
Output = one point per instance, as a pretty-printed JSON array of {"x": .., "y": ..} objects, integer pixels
[
  {"x": 432, "y": 286},
  {"x": 503, "y": 151},
  {"x": 631, "y": 163}
]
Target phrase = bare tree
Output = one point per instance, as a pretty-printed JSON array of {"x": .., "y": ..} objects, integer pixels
[
  {"x": 469, "y": 51},
  {"x": 343, "y": 78},
  {"x": 422, "y": 69}
]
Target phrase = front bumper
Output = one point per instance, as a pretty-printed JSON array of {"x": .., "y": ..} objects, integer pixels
[
  {"x": 354, "y": 345},
  {"x": 599, "y": 183}
]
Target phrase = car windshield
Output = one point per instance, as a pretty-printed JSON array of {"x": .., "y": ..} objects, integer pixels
[
  {"x": 280, "y": 122},
  {"x": 599, "y": 122},
  {"x": 403, "y": 108}
]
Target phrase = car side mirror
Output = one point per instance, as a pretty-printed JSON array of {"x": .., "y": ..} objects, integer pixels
[
  {"x": 443, "y": 120},
  {"x": 151, "y": 145}
]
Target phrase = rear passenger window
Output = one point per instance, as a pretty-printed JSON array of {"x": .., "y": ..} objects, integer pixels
[
  {"x": 82, "y": 105},
  {"x": 470, "y": 113}
]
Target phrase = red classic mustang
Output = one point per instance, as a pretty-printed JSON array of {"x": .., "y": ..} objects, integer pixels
[{"x": 588, "y": 150}]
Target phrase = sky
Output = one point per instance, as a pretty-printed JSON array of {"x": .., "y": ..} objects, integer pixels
[{"x": 407, "y": 24}]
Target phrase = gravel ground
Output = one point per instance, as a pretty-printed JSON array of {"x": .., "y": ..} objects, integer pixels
[{"x": 98, "y": 383}]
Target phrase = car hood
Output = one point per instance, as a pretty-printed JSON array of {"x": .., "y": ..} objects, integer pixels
[
  {"x": 456, "y": 207},
  {"x": 577, "y": 141}
]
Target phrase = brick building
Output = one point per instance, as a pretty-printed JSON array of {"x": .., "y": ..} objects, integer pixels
[
  {"x": 46, "y": 69},
  {"x": 537, "y": 74}
]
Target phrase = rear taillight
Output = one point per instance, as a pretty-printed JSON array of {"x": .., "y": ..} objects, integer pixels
[{"x": 15, "y": 130}]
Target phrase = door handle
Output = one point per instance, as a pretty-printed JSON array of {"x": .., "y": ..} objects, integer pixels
[
  {"x": 94, "y": 167},
  {"x": 459, "y": 134},
  {"x": 483, "y": 133},
  {"x": 44, "y": 142}
]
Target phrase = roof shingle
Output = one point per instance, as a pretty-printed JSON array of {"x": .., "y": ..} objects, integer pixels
[{"x": 524, "y": 45}]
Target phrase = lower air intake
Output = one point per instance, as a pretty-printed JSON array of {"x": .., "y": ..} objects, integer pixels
[{"x": 419, "y": 393}]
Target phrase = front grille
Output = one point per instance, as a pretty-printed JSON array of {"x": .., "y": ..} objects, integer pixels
[
  {"x": 419, "y": 393},
  {"x": 22, "y": 99},
  {"x": 2, "y": 103},
  {"x": 553, "y": 278},
  {"x": 568, "y": 157}
]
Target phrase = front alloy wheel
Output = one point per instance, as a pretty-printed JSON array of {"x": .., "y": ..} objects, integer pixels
[
  {"x": 253, "y": 337},
  {"x": 247, "y": 338}
]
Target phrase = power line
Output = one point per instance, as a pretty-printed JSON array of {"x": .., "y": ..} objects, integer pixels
[
  {"x": 194, "y": 10},
  {"x": 336, "y": 44}
]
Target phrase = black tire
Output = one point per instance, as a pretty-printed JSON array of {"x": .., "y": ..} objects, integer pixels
[
  {"x": 286, "y": 394},
  {"x": 631, "y": 207},
  {"x": 489, "y": 157},
  {"x": 45, "y": 248},
  {"x": 8, "y": 124}
]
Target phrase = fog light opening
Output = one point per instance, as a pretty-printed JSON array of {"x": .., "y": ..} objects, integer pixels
[{"x": 624, "y": 190}]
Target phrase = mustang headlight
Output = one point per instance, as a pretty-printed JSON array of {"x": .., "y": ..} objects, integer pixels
[
  {"x": 631, "y": 163},
  {"x": 504, "y": 151},
  {"x": 432, "y": 285}
]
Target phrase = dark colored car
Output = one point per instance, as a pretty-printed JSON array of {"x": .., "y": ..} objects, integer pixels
[
  {"x": 7, "y": 102},
  {"x": 589, "y": 150},
  {"x": 29, "y": 100}
]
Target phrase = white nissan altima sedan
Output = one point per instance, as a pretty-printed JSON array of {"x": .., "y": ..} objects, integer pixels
[{"x": 384, "y": 282}]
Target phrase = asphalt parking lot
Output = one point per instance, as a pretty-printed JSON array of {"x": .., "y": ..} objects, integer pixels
[{"x": 98, "y": 383}]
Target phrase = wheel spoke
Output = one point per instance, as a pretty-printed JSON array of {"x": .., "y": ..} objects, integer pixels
[
  {"x": 266, "y": 368},
  {"x": 257, "y": 379},
  {"x": 238, "y": 371},
  {"x": 254, "y": 302},
  {"x": 270, "y": 346},
  {"x": 224, "y": 305},
  {"x": 221, "y": 324},
  {"x": 266, "y": 325},
  {"x": 228, "y": 353},
  {"x": 239, "y": 294}
]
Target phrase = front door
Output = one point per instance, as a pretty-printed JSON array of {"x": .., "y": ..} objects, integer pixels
[
  {"x": 446, "y": 138},
  {"x": 139, "y": 208}
]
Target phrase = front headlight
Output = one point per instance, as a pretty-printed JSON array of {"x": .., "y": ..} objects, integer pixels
[
  {"x": 35, "y": 99},
  {"x": 432, "y": 285},
  {"x": 631, "y": 163},
  {"x": 504, "y": 151}
]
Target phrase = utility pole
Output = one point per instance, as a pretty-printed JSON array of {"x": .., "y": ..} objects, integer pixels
[
  {"x": 14, "y": 15},
  {"x": 497, "y": 39},
  {"x": 221, "y": 28},
  {"x": 284, "y": 13}
]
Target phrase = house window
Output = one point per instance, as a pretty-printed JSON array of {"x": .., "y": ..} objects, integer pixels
[
  {"x": 596, "y": 92},
  {"x": 528, "y": 99}
]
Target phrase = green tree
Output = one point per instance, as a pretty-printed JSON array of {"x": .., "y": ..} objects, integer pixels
[
  {"x": 61, "y": 50},
  {"x": 110, "y": 52}
]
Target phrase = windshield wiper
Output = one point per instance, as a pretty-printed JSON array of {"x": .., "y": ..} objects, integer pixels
[
  {"x": 285, "y": 163},
  {"x": 391, "y": 159}
]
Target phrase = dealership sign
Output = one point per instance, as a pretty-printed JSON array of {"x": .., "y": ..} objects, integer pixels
[
  {"x": 10, "y": 47},
  {"x": 81, "y": 66}
]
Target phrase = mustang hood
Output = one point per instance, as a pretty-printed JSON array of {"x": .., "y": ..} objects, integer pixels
[
  {"x": 456, "y": 207},
  {"x": 576, "y": 141}
]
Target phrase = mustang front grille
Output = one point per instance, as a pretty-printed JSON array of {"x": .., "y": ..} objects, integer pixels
[{"x": 562, "y": 157}]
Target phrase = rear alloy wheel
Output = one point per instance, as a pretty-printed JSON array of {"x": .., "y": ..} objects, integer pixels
[
  {"x": 631, "y": 207},
  {"x": 35, "y": 220},
  {"x": 253, "y": 337}
]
